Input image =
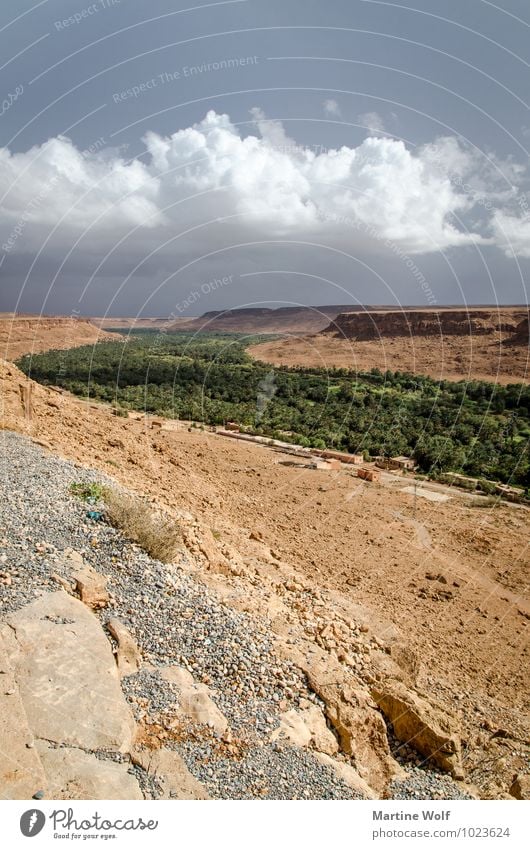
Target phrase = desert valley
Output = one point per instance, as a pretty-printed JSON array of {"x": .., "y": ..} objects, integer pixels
[
  {"x": 384, "y": 598},
  {"x": 265, "y": 423}
]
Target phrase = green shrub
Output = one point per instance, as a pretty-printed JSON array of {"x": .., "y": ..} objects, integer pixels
[
  {"x": 87, "y": 491},
  {"x": 487, "y": 486}
]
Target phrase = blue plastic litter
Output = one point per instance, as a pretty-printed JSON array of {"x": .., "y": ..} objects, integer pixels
[{"x": 96, "y": 515}]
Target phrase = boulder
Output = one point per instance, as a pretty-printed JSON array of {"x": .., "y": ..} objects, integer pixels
[
  {"x": 66, "y": 585},
  {"x": 89, "y": 584},
  {"x": 322, "y": 738},
  {"x": 520, "y": 788},
  {"x": 354, "y": 716},
  {"x": 306, "y": 728},
  {"x": 74, "y": 774},
  {"x": 73, "y": 558},
  {"x": 293, "y": 728},
  {"x": 171, "y": 773},
  {"x": 67, "y": 676},
  {"x": 128, "y": 656},
  {"x": 421, "y": 725},
  {"x": 346, "y": 773},
  {"x": 195, "y": 700},
  {"x": 21, "y": 770}
]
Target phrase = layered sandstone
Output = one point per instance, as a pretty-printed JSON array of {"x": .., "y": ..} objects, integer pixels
[{"x": 376, "y": 324}]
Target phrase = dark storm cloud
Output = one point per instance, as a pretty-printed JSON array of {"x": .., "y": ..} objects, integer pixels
[{"x": 313, "y": 152}]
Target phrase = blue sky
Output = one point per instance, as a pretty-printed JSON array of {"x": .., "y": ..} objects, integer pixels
[{"x": 312, "y": 152}]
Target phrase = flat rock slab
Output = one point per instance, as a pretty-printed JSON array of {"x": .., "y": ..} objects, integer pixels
[
  {"x": 21, "y": 771},
  {"x": 171, "y": 772},
  {"x": 67, "y": 676},
  {"x": 74, "y": 774}
]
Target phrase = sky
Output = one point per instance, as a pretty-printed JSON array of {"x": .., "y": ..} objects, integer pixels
[{"x": 171, "y": 158}]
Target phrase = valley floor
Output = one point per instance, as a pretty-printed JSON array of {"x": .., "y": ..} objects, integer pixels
[{"x": 448, "y": 358}]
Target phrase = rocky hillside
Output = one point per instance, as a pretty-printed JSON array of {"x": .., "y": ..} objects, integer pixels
[
  {"x": 338, "y": 674},
  {"x": 201, "y": 698},
  {"x": 102, "y": 623},
  {"x": 511, "y": 324},
  {"x": 31, "y": 334}
]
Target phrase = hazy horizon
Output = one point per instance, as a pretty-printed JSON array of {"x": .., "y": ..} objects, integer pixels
[{"x": 228, "y": 309}]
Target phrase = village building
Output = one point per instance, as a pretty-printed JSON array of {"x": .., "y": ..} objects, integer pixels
[{"x": 372, "y": 475}]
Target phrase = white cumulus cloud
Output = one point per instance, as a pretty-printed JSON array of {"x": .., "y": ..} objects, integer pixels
[
  {"x": 512, "y": 233},
  {"x": 218, "y": 187},
  {"x": 331, "y": 107},
  {"x": 372, "y": 122}
]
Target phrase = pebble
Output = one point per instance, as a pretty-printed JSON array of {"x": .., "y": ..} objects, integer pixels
[
  {"x": 267, "y": 772},
  {"x": 423, "y": 781}
]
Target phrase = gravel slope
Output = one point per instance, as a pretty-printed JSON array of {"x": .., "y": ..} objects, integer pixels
[{"x": 175, "y": 619}]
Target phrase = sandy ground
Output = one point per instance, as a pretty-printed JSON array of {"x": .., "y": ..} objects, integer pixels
[{"x": 448, "y": 357}]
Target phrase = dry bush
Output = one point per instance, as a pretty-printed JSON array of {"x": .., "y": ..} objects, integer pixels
[
  {"x": 486, "y": 501},
  {"x": 157, "y": 533}
]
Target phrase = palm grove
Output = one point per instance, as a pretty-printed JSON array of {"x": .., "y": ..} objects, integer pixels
[{"x": 477, "y": 428}]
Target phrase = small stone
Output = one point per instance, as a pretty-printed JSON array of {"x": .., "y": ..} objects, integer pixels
[
  {"x": 61, "y": 581},
  {"x": 92, "y": 587},
  {"x": 38, "y": 795}
]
